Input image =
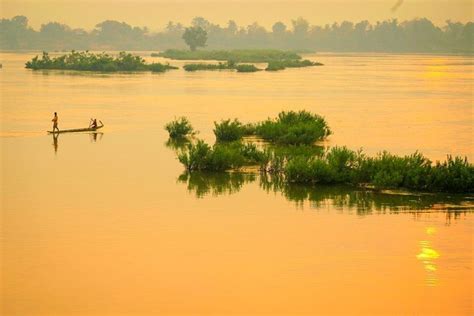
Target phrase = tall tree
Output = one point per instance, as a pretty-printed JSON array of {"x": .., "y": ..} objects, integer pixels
[{"x": 195, "y": 37}]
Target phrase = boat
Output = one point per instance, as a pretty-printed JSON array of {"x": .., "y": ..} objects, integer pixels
[{"x": 87, "y": 129}]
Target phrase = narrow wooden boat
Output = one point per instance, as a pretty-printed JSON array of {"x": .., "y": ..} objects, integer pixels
[{"x": 87, "y": 129}]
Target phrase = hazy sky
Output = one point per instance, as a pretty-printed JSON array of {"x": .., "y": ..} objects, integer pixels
[{"x": 156, "y": 13}]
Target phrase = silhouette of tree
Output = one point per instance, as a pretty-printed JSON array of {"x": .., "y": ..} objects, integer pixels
[{"x": 195, "y": 37}]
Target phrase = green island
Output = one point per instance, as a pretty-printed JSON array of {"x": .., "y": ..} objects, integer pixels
[
  {"x": 236, "y": 55},
  {"x": 275, "y": 59},
  {"x": 101, "y": 62},
  {"x": 291, "y": 153}
]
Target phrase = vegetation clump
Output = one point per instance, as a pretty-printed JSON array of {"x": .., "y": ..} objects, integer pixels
[
  {"x": 86, "y": 61},
  {"x": 221, "y": 66},
  {"x": 237, "y": 55},
  {"x": 295, "y": 159},
  {"x": 201, "y": 66},
  {"x": 220, "y": 157},
  {"x": 283, "y": 64},
  {"x": 246, "y": 68},
  {"x": 180, "y": 128},
  {"x": 414, "y": 172},
  {"x": 229, "y": 130},
  {"x": 294, "y": 128}
]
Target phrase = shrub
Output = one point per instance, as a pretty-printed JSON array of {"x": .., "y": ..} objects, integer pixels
[
  {"x": 453, "y": 175},
  {"x": 221, "y": 157},
  {"x": 228, "y": 131},
  {"x": 294, "y": 128},
  {"x": 179, "y": 128},
  {"x": 246, "y": 68},
  {"x": 219, "y": 66}
]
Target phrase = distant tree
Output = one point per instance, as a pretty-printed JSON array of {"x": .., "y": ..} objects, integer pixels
[
  {"x": 232, "y": 27},
  {"x": 201, "y": 22},
  {"x": 195, "y": 37},
  {"x": 279, "y": 28},
  {"x": 300, "y": 26}
]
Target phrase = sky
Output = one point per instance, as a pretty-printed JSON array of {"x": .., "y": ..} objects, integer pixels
[{"x": 156, "y": 13}]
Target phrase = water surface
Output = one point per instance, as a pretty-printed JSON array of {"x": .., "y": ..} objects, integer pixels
[{"x": 109, "y": 223}]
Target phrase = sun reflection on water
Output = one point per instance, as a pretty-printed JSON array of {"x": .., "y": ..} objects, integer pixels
[{"x": 428, "y": 256}]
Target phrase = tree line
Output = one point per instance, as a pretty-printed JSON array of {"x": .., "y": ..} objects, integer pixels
[{"x": 417, "y": 35}]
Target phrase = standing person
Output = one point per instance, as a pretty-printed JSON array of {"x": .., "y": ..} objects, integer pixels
[{"x": 55, "y": 122}]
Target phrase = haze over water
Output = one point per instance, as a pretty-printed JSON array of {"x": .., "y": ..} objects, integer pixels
[{"x": 104, "y": 224}]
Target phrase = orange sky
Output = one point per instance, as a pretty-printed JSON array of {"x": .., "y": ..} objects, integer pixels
[{"x": 156, "y": 13}]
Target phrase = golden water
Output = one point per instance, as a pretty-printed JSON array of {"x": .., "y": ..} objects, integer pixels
[{"x": 104, "y": 224}]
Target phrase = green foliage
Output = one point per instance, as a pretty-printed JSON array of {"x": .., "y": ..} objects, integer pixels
[
  {"x": 179, "y": 128},
  {"x": 228, "y": 130},
  {"x": 282, "y": 64},
  {"x": 238, "y": 55},
  {"x": 221, "y": 157},
  {"x": 414, "y": 172},
  {"x": 246, "y": 68},
  {"x": 294, "y": 128},
  {"x": 195, "y": 37},
  {"x": 219, "y": 66},
  {"x": 103, "y": 62}
]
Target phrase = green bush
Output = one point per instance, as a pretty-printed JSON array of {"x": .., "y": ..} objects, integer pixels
[
  {"x": 294, "y": 128},
  {"x": 413, "y": 172},
  {"x": 179, "y": 128},
  {"x": 219, "y": 66},
  {"x": 246, "y": 68},
  {"x": 453, "y": 175},
  {"x": 228, "y": 131},
  {"x": 221, "y": 157}
]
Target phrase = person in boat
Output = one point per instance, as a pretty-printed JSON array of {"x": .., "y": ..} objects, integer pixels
[
  {"x": 93, "y": 123},
  {"x": 55, "y": 122}
]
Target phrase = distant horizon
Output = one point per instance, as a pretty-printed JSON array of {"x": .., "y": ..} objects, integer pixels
[
  {"x": 155, "y": 14},
  {"x": 268, "y": 28}
]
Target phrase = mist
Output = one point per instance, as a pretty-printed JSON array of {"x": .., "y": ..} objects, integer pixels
[{"x": 416, "y": 35}]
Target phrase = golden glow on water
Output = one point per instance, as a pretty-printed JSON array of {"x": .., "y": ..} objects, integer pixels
[{"x": 108, "y": 224}]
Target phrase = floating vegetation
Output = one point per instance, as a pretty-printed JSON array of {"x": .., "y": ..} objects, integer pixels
[
  {"x": 201, "y": 66},
  {"x": 246, "y": 68},
  {"x": 238, "y": 55},
  {"x": 295, "y": 158},
  {"x": 103, "y": 62},
  {"x": 180, "y": 128},
  {"x": 282, "y": 64},
  {"x": 294, "y": 128},
  {"x": 229, "y": 130},
  {"x": 220, "y": 157},
  {"x": 414, "y": 172},
  {"x": 222, "y": 66}
]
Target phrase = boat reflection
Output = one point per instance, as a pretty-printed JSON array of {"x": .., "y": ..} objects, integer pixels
[
  {"x": 343, "y": 198},
  {"x": 93, "y": 137}
]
